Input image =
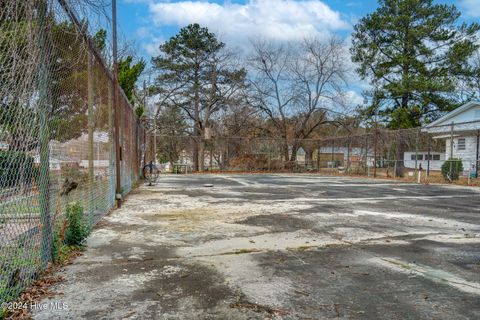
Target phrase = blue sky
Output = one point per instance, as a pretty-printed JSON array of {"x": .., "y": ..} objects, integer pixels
[{"x": 148, "y": 23}]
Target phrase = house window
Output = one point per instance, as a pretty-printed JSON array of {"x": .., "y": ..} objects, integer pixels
[
  {"x": 461, "y": 144},
  {"x": 432, "y": 157},
  {"x": 419, "y": 157},
  {"x": 477, "y": 114}
]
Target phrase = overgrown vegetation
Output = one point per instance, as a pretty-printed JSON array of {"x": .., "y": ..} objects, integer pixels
[
  {"x": 13, "y": 166},
  {"x": 452, "y": 169},
  {"x": 78, "y": 225},
  {"x": 19, "y": 263}
]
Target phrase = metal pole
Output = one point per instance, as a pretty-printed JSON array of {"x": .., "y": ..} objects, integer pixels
[
  {"x": 375, "y": 152},
  {"x": 375, "y": 142},
  {"x": 429, "y": 155},
  {"x": 118, "y": 188},
  {"x": 333, "y": 152},
  {"x": 155, "y": 140},
  {"x": 469, "y": 173},
  {"x": 416, "y": 154},
  {"x": 111, "y": 135},
  {"x": 90, "y": 132},
  {"x": 348, "y": 157},
  {"x": 451, "y": 150},
  {"x": 478, "y": 155},
  {"x": 144, "y": 129},
  {"x": 44, "y": 137},
  {"x": 367, "y": 169}
]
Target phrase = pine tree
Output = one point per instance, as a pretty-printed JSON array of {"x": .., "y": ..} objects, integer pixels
[{"x": 414, "y": 51}]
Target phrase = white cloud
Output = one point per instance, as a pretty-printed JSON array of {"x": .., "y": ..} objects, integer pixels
[
  {"x": 237, "y": 24},
  {"x": 143, "y": 32},
  {"x": 353, "y": 99},
  {"x": 153, "y": 47},
  {"x": 471, "y": 7}
]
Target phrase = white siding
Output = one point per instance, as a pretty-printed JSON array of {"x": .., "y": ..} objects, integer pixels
[
  {"x": 468, "y": 155},
  {"x": 470, "y": 151},
  {"x": 434, "y": 164}
]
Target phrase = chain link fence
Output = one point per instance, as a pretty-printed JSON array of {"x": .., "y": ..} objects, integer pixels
[
  {"x": 420, "y": 154},
  {"x": 56, "y": 131}
]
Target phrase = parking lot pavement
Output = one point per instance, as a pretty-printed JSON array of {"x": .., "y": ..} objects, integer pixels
[{"x": 281, "y": 247}]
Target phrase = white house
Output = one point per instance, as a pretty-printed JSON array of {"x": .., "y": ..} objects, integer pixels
[
  {"x": 462, "y": 126},
  {"x": 412, "y": 160}
]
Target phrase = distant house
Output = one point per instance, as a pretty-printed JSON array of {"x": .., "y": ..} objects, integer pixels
[
  {"x": 338, "y": 155},
  {"x": 461, "y": 131},
  {"x": 421, "y": 159},
  {"x": 300, "y": 154},
  {"x": 56, "y": 162}
]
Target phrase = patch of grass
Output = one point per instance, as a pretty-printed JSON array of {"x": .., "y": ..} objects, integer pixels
[
  {"x": 20, "y": 263},
  {"x": 405, "y": 266},
  {"x": 244, "y": 251},
  {"x": 65, "y": 253},
  {"x": 4, "y": 313},
  {"x": 21, "y": 206},
  {"x": 241, "y": 251},
  {"x": 302, "y": 248}
]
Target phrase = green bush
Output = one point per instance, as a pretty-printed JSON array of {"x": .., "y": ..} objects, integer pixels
[
  {"x": 451, "y": 169},
  {"x": 78, "y": 225},
  {"x": 12, "y": 164},
  {"x": 74, "y": 173}
]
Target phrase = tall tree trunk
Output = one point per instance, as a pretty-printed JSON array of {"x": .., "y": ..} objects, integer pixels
[
  {"x": 195, "y": 150},
  {"x": 293, "y": 156},
  {"x": 399, "y": 155},
  {"x": 197, "y": 132},
  {"x": 308, "y": 157},
  {"x": 285, "y": 148},
  {"x": 401, "y": 144},
  {"x": 211, "y": 158},
  {"x": 201, "y": 153}
]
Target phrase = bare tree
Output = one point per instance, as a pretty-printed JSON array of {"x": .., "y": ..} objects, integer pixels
[
  {"x": 475, "y": 79},
  {"x": 297, "y": 85},
  {"x": 272, "y": 85},
  {"x": 320, "y": 77}
]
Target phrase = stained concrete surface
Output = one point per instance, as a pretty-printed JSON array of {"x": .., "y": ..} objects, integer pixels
[{"x": 280, "y": 247}]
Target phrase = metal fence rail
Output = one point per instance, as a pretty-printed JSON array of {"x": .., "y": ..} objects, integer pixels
[
  {"x": 56, "y": 132},
  {"x": 375, "y": 152}
]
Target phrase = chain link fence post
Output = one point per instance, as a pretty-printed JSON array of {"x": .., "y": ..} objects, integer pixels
[{"x": 44, "y": 136}]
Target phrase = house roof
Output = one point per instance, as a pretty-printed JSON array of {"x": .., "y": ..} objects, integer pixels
[
  {"x": 465, "y": 119},
  {"x": 453, "y": 113}
]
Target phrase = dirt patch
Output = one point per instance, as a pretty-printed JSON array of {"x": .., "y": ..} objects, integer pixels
[
  {"x": 277, "y": 222},
  {"x": 183, "y": 220}
]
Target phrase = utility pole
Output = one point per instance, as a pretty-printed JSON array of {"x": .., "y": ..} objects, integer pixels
[
  {"x": 144, "y": 129},
  {"x": 117, "y": 114}
]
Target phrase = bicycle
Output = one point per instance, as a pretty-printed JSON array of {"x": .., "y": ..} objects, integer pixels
[{"x": 151, "y": 173}]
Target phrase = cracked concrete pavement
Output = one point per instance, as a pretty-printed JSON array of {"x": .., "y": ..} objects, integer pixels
[{"x": 280, "y": 247}]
